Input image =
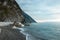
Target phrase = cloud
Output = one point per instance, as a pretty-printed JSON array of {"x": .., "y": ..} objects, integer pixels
[
  {"x": 51, "y": 20},
  {"x": 54, "y": 9}
]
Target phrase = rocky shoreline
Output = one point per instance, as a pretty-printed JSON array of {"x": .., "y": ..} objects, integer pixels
[
  {"x": 10, "y": 11},
  {"x": 9, "y": 33}
]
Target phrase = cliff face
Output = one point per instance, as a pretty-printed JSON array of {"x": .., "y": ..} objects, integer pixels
[{"x": 10, "y": 12}]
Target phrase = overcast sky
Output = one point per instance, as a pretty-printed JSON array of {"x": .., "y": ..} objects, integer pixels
[{"x": 41, "y": 10}]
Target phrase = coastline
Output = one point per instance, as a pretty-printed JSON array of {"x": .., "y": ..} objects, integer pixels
[{"x": 11, "y": 34}]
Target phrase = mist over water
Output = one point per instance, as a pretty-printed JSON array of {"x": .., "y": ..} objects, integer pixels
[{"x": 43, "y": 31}]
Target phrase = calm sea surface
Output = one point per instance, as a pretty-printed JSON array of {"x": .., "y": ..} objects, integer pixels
[{"x": 43, "y": 31}]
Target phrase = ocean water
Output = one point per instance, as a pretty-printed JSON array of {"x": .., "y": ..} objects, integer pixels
[{"x": 42, "y": 31}]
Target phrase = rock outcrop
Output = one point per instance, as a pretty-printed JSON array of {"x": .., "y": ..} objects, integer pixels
[{"x": 10, "y": 12}]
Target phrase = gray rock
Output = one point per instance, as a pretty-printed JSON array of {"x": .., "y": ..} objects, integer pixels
[
  {"x": 7, "y": 32},
  {"x": 11, "y": 34}
]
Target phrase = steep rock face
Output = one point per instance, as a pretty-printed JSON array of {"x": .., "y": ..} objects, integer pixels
[{"x": 10, "y": 12}]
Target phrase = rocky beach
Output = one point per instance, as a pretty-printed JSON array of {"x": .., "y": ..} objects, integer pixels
[
  {"x": 10, "y": 11},
  {"x": 9, "y": 33}
]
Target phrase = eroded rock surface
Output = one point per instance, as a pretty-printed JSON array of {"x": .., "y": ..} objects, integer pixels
[{"x": 10, "y": 11}]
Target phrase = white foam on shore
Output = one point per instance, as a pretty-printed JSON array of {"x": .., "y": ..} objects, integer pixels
[
  {"x": 28, "y": 36},
  {"x": 22, "y": 31}
]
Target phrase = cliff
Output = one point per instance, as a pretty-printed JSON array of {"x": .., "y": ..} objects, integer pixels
[{"x": 10, "y": 12}]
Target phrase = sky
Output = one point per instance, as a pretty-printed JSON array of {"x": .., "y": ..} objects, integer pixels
[{"x": 41, "y": 10}]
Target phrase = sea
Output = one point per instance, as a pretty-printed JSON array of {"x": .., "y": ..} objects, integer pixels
[{"x": 42, "y": 31}]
